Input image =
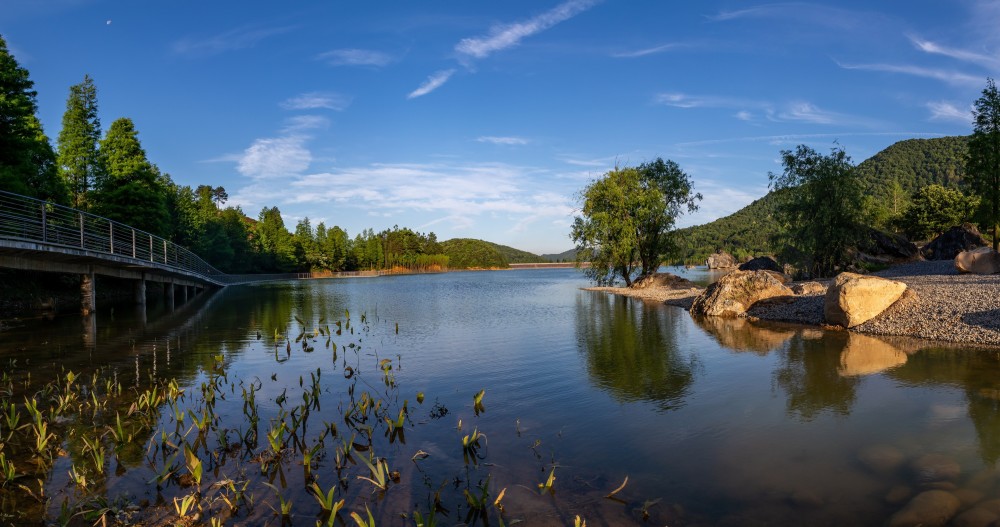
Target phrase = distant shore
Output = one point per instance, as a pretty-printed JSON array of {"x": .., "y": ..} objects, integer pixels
[{"x": 940, "y": 304}]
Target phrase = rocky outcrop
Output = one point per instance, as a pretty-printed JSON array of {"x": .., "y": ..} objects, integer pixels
[
  {"x": 762, "y": 263},
  {"x": 953, "y": 241},
  {"x": 734, "y": 293},
  {"x": 853, "y": 299},
  {"x": 983, "y": 260},
  {"x": 809, "y": 288},
  {"x": 721, "y": 260},
  {"x": 932, "y": 508},
  {"x": 663, "y": 280},
  {"x": 882, "y": 247}
]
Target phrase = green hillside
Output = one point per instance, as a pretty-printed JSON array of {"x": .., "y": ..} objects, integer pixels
[
  {"x": 565, "y": 256},
  {"x": 891, "y": 176},
  {"x": 466, "y": 253},
  {"x": 516, "y": 255},
  {"x": 916, "y": 163}
]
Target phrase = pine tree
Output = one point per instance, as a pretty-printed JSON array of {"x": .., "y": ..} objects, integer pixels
[
  {"x": 25, "y": 153},
  {"x": 79, "y": 159},
  {"x": 129, "y": 189},
  {"x": 984, "y": 158}
]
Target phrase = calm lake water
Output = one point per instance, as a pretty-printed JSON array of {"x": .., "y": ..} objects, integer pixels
[{"x": 713, "y": 422}]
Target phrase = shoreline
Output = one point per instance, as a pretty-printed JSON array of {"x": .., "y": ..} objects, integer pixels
[{"x": 939, "y": 305}]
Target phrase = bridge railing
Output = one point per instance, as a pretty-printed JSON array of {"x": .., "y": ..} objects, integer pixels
[{"x": 33, "y": 220}]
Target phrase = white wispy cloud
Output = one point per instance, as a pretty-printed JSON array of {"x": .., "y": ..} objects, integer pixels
[
  {"x": 355, "y": 57},
  {"x": 275, "y": 157},
  {"x": 317, "y": 100},
  {"x": 798, "y": 111},
  {"x": 950, "y": 77},
  {"x": 991, "y": 61},
  {"x": 453, "y": 194},
  {"x": 510, "y": 141},
  {"x": 946, "y": 111},
  {"x": 231, "y": 40},
  {"x": 646, "y": 51},
  {"x": 301, "y": 123},
  {"x": 802, "y": 12},
  {"x": 432, "y": 83},
  {"x": 683, "y": 100},
  {"x": 795, "y": 138},
  {"x": 810, "y": 113},
  {"x": 504, "y": 36}
]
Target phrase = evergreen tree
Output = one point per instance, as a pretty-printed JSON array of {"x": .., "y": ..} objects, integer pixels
[
  {"x": 984, "y": 158},
  {"x": 44, "y": 182},
  {"x": 79, "y": 159},
  {"x": 129, "y": 189},
  {"x": 26, "y": 159},
  {"x": 276, "y": 246}
]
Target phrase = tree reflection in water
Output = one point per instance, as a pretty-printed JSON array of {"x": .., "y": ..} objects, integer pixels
[
  {"x": 632, "y": 351},
  {"x": 809, "y": 375}
]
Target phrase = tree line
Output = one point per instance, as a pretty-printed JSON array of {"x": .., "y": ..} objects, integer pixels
[{"x": 107, "y": 172}]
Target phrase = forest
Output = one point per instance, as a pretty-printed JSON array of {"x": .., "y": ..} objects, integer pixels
[{"x": 107, "y": 172}]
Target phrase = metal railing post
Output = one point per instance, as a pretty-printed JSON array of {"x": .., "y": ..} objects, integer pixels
[
  {"x": 81, "y": 231},
  {"x": 111, "y": 235},
  {"x": 133, "y": 243},
  {"x": 45, "y": 230},
  {"x": 150, "y": 247}
]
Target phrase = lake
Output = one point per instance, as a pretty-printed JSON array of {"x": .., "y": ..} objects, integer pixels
[{"x": 712, "y": 422}]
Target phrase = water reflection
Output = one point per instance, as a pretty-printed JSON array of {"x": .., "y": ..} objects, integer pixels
[
  {"x": 866, "y": 355},
  {"x": 809, "y": 373},
  {"x": 739, "y": 334},
  {"x": 631, "y": 349},
  {"x": 975, "y": 372}
]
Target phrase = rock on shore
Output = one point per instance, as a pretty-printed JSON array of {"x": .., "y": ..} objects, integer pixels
[{"x": 945, "y": 305}]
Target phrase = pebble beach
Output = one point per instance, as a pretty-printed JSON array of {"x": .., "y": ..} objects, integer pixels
[{"x": 939, "y": 304}]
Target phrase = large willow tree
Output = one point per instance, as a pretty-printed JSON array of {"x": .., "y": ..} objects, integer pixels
[
  {"x": 822, "y": 208},
  {"x": 627, "y": 220}
]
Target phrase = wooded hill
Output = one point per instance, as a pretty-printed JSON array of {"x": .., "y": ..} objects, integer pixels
[
  {"x": 891, "y": 177},
  {"x": 468, "y": 253}
]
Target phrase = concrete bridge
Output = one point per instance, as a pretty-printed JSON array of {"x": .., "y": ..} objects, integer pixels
[{"x": 41, "y": 236}]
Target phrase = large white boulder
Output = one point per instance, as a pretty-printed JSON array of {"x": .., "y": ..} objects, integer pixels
[
  {"x": 853, "y": 299},
  {"x": 734, "y": 293},
  {"x": 983, "y": 260}
]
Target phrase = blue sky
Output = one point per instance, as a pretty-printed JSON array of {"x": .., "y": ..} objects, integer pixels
[{"x": 485, "y": 119}]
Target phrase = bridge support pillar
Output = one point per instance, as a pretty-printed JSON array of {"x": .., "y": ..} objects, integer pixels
[
  {"x": 168, "y": 295},
  {"x": 88, "y": 292},
  {"x": 89, "y": 331},
  {"x": 184, "y": 294},
  {"x": 139, "y": 291}
]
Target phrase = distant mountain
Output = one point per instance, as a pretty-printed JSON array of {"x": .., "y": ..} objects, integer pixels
[
  {"x": 916, "y": 163},
  {"x": 516, "y": 255},
  {"x": 891, "y": 176},
  {"x": 565, "y": 256},
  {"x": 468, "y": 253}
]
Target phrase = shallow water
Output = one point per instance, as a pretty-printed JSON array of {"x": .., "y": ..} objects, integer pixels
[{"x": 713, "y": 422}]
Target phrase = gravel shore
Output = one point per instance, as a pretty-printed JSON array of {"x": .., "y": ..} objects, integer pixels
[{"x": 939, "y": 304}]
